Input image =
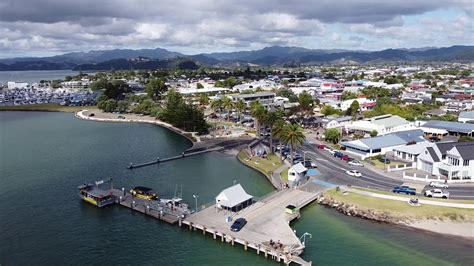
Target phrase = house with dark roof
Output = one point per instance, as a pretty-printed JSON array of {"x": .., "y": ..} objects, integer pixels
[
  {"x": 452, "y": 160},
  {"x": 368, "y": 147},
  {"x": 442, "y": 128}
]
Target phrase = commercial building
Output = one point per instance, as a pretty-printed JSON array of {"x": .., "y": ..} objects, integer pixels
[
  {"x": 384, "y": 124},
  {"x": 233, "y": 198},
  {"x": 380, "y": 145},
  {"x": 442, "y": 128},
  {"x": 265, "y": 98},
  {"x": 466, "y": 117}
]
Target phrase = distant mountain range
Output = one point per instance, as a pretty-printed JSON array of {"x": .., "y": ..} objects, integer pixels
[{"x": 275, "y": 55}]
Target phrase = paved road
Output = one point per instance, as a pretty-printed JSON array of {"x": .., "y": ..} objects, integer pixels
[{"x": 333, "y": 171}]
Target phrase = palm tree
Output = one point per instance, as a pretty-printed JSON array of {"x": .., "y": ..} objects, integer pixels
[
  {"x": 227, "y": 105},
  {"x": 216, "y": 105},
  {"x": 240, "y": 106},
  {"x": 293, "y": 135},
  {"x": 270, "y": 120},
  {"x": 259, "y": 113},
  {"x": 277, "y": 132}
]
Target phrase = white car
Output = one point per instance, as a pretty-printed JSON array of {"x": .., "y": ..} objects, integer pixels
[
  {"x": 355, "y": 163},
  {"x": 438, "y": 185},
  {"x": 331, "y": 151},
  {"x": 353, "y": 173},
  {"x": 436, "y": 193}
]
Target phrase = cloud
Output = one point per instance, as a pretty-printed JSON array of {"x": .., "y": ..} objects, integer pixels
[{"x": 35, "y": 26}]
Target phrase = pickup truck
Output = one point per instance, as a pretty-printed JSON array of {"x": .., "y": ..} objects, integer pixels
[
  {"x": 404, "y": 189},
  {"x": 436, "y": 193}
]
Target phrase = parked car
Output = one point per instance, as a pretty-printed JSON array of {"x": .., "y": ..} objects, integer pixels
[
  {"x": 321, "y": 146},
  {"x": 384, "y": 160},
  {"x": 355, "y": 163},
  {"x": 345, "y": 158},
  {"x": 309, "y": 164},
  {"x": 353, "y": 173},
  {"x": 238, "y": 224},
  {"x": 438, "y": 185},
  {"x": 436, "y": 193},
  {"x": 404, "y": 189},
  {"x": 338, "y": 154}
]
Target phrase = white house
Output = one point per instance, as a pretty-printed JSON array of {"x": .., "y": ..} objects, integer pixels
[
  {"x": 336, "y": 122},
  {"x": 364, "y": 104},
  {"x": 17, "y": 85},
  {"x": 411, "y": 152},
  {"x": 233, "y": 198},
  {"x": 383, "y": 124},
  {"x": 296, "y": 173},
  {"x": 454, "y": 160}
]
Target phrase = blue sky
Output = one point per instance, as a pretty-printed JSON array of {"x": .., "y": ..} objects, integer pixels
[{"x": 49, "y": 27}]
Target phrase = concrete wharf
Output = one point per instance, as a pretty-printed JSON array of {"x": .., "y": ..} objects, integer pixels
[{"x": 266, "y": 220}]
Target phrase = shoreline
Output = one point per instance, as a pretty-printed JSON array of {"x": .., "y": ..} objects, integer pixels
[
  {"x": 100, "y": 116},
  {"x": 459, "y": 230}
]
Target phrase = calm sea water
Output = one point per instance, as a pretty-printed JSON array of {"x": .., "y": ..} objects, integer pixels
[
  {"x": 35, "y": 76},
  {"x": 45, "y": 156}
]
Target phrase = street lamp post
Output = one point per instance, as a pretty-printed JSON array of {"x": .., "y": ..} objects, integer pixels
[{"x": 196, "y": 201}]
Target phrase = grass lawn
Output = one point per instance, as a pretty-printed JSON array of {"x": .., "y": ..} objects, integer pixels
[
  {"x": 402, "y": 209},
  {"x": 266, "y": 166},
  {"x": 409, "y": 197},
  {"x": 49, "y": 107},
  {"x": 383, "y": 166},
  {"x": 284, "y": 175}
]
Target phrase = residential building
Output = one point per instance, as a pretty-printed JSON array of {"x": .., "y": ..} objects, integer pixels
[
  {"x": 380, "y": 145},
  {"x": 364, "y": 104},
  {"x": 336, "y": 122},
  {"x": 453, "y": 160}
]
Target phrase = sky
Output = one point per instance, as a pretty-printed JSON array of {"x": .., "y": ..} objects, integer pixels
[{"x": 50, "y": 27}]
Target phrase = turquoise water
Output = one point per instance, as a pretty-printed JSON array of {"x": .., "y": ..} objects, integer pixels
[{"x": 45, "y": 156}]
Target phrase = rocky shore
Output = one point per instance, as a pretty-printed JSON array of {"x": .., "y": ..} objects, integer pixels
[{"x": 351, "y": 210}]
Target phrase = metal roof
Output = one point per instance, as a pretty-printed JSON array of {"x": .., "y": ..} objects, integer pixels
[
  {"x": 391, "y": 121},
  {"x": 232, "y": 196},
  {"x": 394, "y": 139},
  {"x": 450, "y": 126},
  {"x": 433, "y": 154},
  {"x": 466, "y": 115},
  {"x": 466, "y": 149}
]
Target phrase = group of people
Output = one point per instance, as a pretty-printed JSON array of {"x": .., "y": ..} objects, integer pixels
[{"x": 277, "y": 245}]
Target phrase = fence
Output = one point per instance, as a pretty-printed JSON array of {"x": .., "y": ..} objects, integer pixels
[{"x": 400, "y": 167}]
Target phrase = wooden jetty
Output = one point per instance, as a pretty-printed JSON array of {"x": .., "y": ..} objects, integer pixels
[
  {"x": 267, "y": 220},
  {"x": 162, "y": 160},
  {"x": 149, "y": 207}
]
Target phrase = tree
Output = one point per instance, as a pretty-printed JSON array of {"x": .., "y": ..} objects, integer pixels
[
  {"x": 199, "y": 86},
  {"x": 155, "y": 88},
  {"x": 203, "y": 99},
  {"x": 293, "y": 135},
  {"x": 305, "y": 100},
  {"x": 216, "y": 105},
  {"x": 227, "y": 105},
  {"x": 333, "y": 135},
  {"x": 288, "y": 94},
  {"x": 278, "y": 131},
  {"x": 122, "y": 106},
  {"x": 270, "y": 119},
  {"x": 353, "y": 109},
  {"x": 110, "y": 106},
  {"x": 374, "y": 133},
  {"x": 259, "y": 113},
  {"x": 240, "y": 106},
  {"x": 329, "y": 110},
  {"x": 347, "y": 95}
]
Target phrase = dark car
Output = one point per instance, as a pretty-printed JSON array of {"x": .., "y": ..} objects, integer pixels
[
  {"x": 404, "y": 189},
  {"x": 384, "y": 160},
  {"x": 238, "y": 224}
]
